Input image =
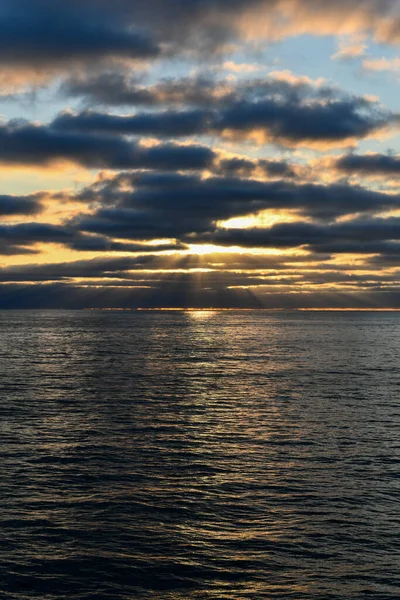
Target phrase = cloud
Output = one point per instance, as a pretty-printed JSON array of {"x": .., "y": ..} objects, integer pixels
[
  {"x": 184, "y": 281},
  {"x": 369, "y": 164},
  {"x": 351, "y": 47},
  {"x": 20, "y": 205},
  {"x": 149, "y": 267},
  {"x": 382, "y": 64},
  {"x": 194, "y": 24},
  {"x": 115, "y": 88},
  {"x": 41, "y": 39},
  {"x": 103, "y": 244},
  {"x": 147, "y": 205},
  {"x": 18, "y": 238},
  {"x": 244, "y": 167},
  {"x": 281, "y": 108},
  {"x": 165, "y": 192},
  {"x": 337, "y": 122},
  {"x": 26, "y": 234},
  {"x": 356, "y": 236},
  {"x": 204, "y": 24},
  {"x": 164, "y": 125},
  {"x": 290, "y": 122},
  {"x": 229, "y": 193},
  {"x": 12, "y": 249},
  {"x": 68, "y": 296},
  {"x": 24, "y": 143},
  {"x": 234, "y": 67},
  {"x": 40, "y": 34},
  {"x": 150, "y": 205},
  {"x": 294, "y": 281}
]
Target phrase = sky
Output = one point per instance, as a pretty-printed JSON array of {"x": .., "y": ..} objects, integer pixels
[{"x": 200, "y": 154}]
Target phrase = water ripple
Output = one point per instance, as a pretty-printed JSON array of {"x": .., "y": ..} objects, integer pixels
[{"x": 166, "y": 456}]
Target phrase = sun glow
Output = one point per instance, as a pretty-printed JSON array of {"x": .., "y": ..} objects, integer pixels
[
  {"x": 265, "y": 218},
  {"x": 201, "y": 249}
]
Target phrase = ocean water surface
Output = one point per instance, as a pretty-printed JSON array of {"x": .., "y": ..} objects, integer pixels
[{"x": 199, "y": 455}]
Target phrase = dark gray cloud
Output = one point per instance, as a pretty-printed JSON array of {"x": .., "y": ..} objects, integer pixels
[
  {"x": 20, "y": 205},
  {"x": 162, "y": 272},
  {"x": 151, "y": 205},
  {"x": 98, "y": 267},
  {"x": 290, "y": 121},
  {"x": 370, "y": 164},
  {"x": 68, "y": 296},
  {"x": 330, "y": 121},
  {"x": 145, "y": 267},
  {"x": 115, "y": 88},
  {"x": 359, "y": 236},
  {"x": 243, "y": 167},
  {"x": 147, "y": 205},
  {"x": 21, "y": 238},
  {"x": 211, "y": 23},
  {"x": 8, "y": 248},
  {"x": 41, "y": 34},
  {"x": 165, "y": 124},
  {"x": 159, "y": 281},
  {"x": 32, "y": 232},
  {"x": 17, "y": 238},
  {"x": 24, "y": 143}
]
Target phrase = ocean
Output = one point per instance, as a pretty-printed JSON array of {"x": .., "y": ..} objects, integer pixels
[{"x": 199, "y": 455}]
